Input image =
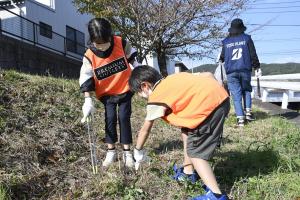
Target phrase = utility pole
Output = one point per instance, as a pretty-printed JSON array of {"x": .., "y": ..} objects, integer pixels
[{"x": 192, "y": 66}]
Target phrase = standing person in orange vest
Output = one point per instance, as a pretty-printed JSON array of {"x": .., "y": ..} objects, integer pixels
[
  {"x": 105, "y": 71},
  {"x": 197, "y": 104}
]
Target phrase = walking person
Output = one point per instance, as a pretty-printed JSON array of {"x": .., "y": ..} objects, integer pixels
[
  {"x": 197, "y": 104},
  {"x": 105, "y": 72},
  {"x": 239, "y": 55}
]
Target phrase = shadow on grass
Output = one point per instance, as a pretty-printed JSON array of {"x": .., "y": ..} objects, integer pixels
[
  {"x": 292, "y": 105},
  {"x": 169, "y": 146},
  {"x": 261, "y": 115},
  {"x": 236, "y": 166},
  {"x": 177, "y": 144},
  {"x": 231, "y": 120},
  {"x": 33, "y": 188},
  {"x": 288, "y": 115}
]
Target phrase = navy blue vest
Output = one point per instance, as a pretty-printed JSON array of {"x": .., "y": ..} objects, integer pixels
[{"x": 237, "y": 56}]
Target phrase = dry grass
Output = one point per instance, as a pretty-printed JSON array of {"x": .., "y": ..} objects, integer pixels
[{"x": 45, "y": 151}]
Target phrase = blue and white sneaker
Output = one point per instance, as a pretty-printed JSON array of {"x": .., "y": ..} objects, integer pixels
[
  {"x": 181, "y": 176},
  {"x": 210, "y": 196}
]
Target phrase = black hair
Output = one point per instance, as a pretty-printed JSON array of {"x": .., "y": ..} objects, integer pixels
[
  {"x": 237, "y": 27},
  {"x": 100, "y": 30},
  {"x": 141, "y": 74}
]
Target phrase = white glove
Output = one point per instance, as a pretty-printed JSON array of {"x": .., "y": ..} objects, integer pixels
[
  {"x": 88, "y": 108},
  {"x": 139, "y": 156},
  {"x": 258, "y": 73},
  {"x": 135, "y": 64}
]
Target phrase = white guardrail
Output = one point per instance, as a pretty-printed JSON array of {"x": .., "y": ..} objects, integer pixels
[{"x": 283, "y": 88}]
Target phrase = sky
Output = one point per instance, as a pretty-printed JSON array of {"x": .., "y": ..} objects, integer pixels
[{"x": 274, "y": 26}]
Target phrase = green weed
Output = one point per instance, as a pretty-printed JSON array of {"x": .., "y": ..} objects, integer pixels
[
  {"x": 259, "y": 161},
  {"x": 3, "y": 193},
  {"x": 133, "y": 193}
]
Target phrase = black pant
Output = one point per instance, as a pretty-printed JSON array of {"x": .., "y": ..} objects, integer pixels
[{"x": 110, "y": 104}]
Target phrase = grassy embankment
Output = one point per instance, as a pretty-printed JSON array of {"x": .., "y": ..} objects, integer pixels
[{"x": 44, "y": 151}]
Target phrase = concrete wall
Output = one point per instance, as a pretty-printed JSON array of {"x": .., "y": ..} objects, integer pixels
[{"x": 15, "y": 54}]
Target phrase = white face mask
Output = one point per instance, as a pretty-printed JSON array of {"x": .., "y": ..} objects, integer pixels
[
  {"x": 145, "y": 95},
  {"x": 103, "y": 46}
]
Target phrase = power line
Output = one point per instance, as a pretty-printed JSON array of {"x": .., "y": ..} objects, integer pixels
[
  {"x": 274, "y": 40},
  {"x": 293, "y": 25},
  {"x": 292, "y": 38},
  {"x": 273, "y": 24},
  {"x": 289, "y": 11},
  {"x": 270, "y": 55},
  {"x": 280, "y": 7},
  {"x": 278, "y": 54},
  {"x": 274, "y": 3},
  {"x": 281, "y": 52}
]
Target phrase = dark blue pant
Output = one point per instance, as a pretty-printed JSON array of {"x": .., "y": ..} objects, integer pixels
[
  {"x": 111, "y": 103},
  {"x": 239, "y": 84}
]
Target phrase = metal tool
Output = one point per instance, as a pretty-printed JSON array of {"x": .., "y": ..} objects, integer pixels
[
  {"x": 258, "y": 88},
  {"x": 92, "y": 141}
]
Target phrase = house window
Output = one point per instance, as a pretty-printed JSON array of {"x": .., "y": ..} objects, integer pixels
[
  {"x": 75, "y": 41},
  {"x": 45, "y": 30},
  {"x": 47, "y": 3}
]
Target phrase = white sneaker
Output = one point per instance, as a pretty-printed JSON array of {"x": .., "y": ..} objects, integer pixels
[
  {"x": 249, "y": 116},
  {"x": 240, "y": 122},
  {"x": 128, "y": 159},
  {"x": 111, "y": 156}
]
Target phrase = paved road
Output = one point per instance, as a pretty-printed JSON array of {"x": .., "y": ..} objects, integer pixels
[{"x": 273, "y": 109}]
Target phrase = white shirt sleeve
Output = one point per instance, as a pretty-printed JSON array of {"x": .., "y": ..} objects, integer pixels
[
  {"x": 86, "y": 71},
  {"x": 130, "y": 51},
  {"x": 155, "y": 112}
]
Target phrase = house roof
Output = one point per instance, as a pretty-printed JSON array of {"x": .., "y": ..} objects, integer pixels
[{"x": 181, "y": 65}]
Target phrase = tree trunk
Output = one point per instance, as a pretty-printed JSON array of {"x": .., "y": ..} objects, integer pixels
[
  {"x": 162, "y": 61},
  {"x": 139, "y": 57}
]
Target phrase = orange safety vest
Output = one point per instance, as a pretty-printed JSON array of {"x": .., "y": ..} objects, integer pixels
[
  {"x": 111, "y": 74},
  {"x": 190, "y": 98}
]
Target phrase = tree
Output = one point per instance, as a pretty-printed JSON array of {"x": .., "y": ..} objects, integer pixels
[{"x": 177, "y": 28}]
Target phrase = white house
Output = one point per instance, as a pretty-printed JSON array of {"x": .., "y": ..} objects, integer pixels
[
  {"x": 173, "y": 66},
  {"x": 52, "y": 24},
  {"x": 57, "y": 26}
]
